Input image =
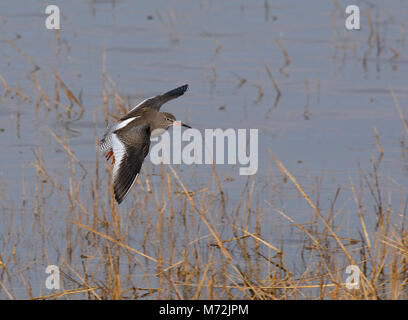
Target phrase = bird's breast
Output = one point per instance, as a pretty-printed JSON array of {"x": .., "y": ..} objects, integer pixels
[{"x": 157, "y": 132}]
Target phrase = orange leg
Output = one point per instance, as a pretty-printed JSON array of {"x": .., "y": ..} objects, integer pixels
[{"x": 109, "y": 154}]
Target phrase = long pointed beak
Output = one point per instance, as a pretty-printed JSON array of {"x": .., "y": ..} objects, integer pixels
[{"x": 179, "y": 123}]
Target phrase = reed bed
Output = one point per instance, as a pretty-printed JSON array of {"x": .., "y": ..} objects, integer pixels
[
  {"x": 175, "y": 242},
  {"x": 177, "y": 239},
  {"x": 182, "y": 239}
]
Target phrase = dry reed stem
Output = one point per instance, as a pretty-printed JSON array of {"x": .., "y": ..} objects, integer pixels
[
  {"x": 112, "y": 240},
  {"x": 84, "y": 282},
  {"x": 265, "y": 287},
  {"x": 43, "y": 95},
  {"x": 260, "y": 240},
  {"x": 66, "y": 292},
  {"x": 23, "y": 53},
  {"x": 285, "y": 54},
  {"x": 397, "y": 105},
  {"x": 396, "y": 245},
  {"x": 358, "y": 204},
  {"x": 70, "y": 96},
  {"x": 7, "y": 88},
  {"x": 377, "y": 141},
  {"x": 202, "y": 216},
  {"x": 203, "y": 277},
  {"x": 6, "y": 291},
  {"x": 297, "y": 225},
  {"x": 68, "y": 150},
  {"x": 275, "y": 85},
  {"x": 310, "y": 202},
  {"x": 204, "y": 219}
]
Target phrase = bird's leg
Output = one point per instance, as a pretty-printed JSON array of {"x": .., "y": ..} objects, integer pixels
[{"x": 109, "y": 154}]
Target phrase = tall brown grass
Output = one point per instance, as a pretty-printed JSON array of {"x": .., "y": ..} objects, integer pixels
[{"x": 178, "y": 239}]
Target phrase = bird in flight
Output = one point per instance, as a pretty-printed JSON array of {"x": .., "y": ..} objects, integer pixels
[{"x": 127, "y": 142}]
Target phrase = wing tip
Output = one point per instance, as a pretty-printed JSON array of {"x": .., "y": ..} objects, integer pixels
[
  {"x": 122, "y": 187},
  {"x": 184, "y": 88},
  {"x": 179, "y": 91},
  {"x": 120, "y": 194},
  {"x": 118, "y": 198}
]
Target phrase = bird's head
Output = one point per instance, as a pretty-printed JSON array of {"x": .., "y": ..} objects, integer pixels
[{"x": 170, "y": 120}]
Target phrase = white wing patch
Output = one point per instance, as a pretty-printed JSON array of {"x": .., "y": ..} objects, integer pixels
[
  {"x": 124, "y": 123},
  {"x": 119, "y": 152},
  {"x": 106, "y": 142}
]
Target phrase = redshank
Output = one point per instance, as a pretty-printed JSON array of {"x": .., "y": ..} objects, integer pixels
[{"x": 127, "y": 141}]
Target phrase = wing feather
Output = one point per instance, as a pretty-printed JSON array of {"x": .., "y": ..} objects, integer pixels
[
  {"x": 130, "y": 146},
  {"x": 157, "y": 101}
]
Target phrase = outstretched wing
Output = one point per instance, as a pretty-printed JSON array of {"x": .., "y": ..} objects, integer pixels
[
  {"x": 105, "y": 143},
  {"x": 157, "y": 101},
  {"x": 130, "y": 147}
]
